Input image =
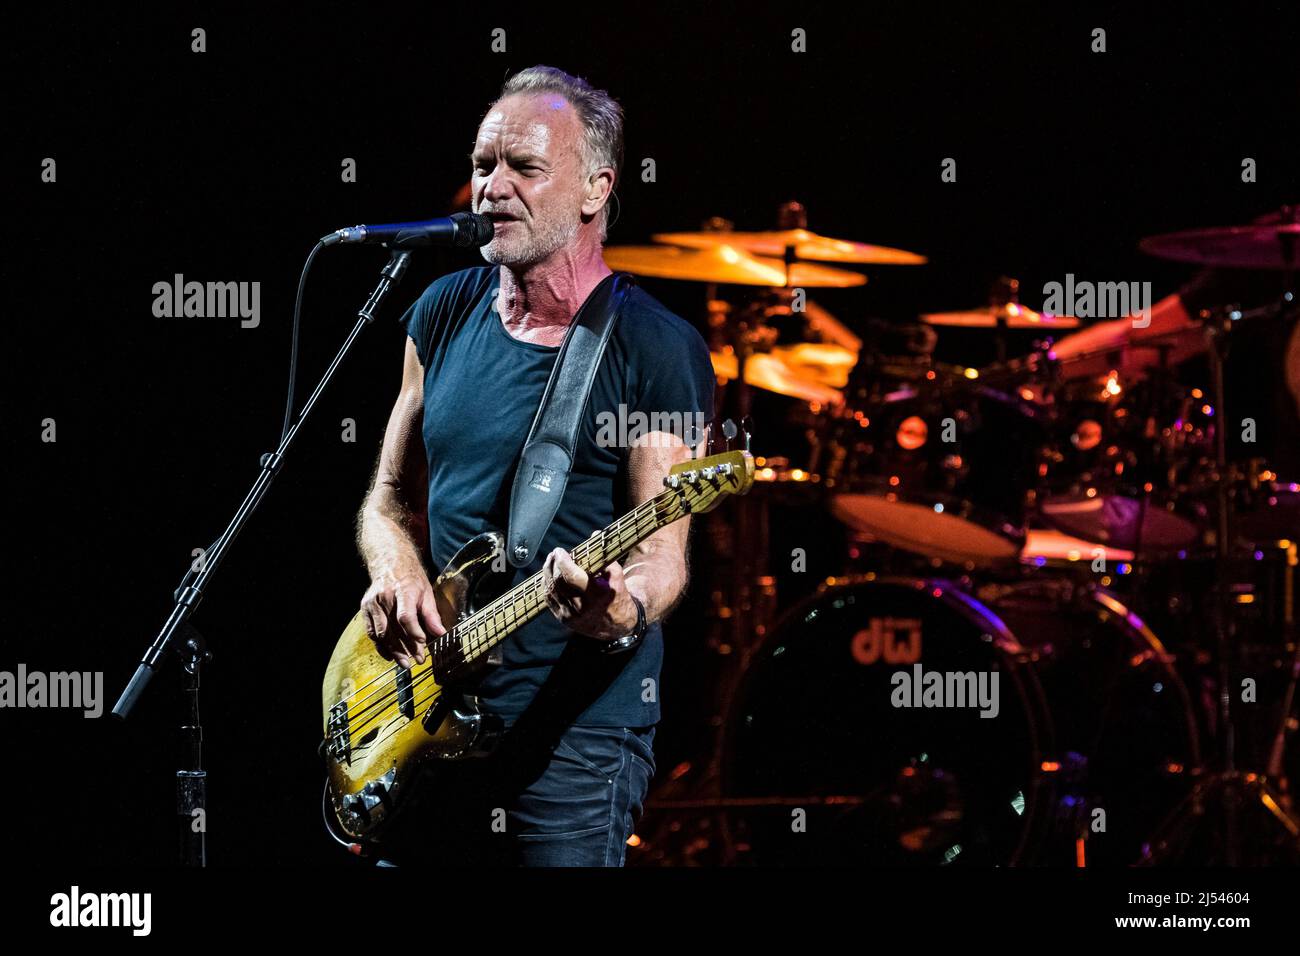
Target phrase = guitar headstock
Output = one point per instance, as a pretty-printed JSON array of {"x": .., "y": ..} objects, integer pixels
[{"x": 702, "y": 483}]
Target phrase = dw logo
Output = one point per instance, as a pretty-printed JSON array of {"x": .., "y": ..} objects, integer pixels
[
  {"x": 881, "y": 641},
  {"x": 541, "y": 479}
]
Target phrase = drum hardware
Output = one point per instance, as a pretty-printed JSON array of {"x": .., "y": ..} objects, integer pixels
[
  {"x": 939, "y": 466},
  {"x": 1113, "y": 723},
  {"x": 1224, "y": 797}
]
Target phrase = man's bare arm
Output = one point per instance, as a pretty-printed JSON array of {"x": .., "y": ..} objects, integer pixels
[
  {"x": 392, "y": 527},
  {"x": 601, "y": 606},
  {"x": 656, "y": 570}
]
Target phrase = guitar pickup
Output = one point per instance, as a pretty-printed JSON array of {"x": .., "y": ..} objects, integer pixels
[{"x": 405, "y": 694}]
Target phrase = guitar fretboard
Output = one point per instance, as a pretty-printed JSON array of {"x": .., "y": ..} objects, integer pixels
[{"x": 481, "y": 631}]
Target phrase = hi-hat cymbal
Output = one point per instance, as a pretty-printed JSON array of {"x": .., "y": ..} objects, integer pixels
[
  {"x": 726, "y": 265},
  {"x": 807, "y": 245},
  {"x": 1016, "y": 317},
  {"x": 1273, "y": 243}
]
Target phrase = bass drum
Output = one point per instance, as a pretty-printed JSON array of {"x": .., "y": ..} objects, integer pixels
[{"x": 858, "y": 735}]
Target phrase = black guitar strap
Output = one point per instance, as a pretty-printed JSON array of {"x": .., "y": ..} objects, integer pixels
[{"x": 547, "y": 458}]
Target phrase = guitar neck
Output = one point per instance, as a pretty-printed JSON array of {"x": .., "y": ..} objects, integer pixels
[{"x": 487, "y": 627}]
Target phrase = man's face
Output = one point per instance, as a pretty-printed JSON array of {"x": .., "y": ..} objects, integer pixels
[{"x": 529, "y": 177}]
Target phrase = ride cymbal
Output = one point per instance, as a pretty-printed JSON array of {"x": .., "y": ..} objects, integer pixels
[
  {"x": 1263, "y": 245},
  {"x": 726, "y": 265}
]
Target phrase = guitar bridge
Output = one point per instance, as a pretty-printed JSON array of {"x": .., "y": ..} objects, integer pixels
[{"x": 338, "y": 741}]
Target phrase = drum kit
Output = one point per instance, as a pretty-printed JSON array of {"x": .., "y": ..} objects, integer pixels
[{"x": 1062, "y": 520}]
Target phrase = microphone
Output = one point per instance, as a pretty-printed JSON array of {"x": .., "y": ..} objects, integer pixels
[{"x": 463, "y": 230}]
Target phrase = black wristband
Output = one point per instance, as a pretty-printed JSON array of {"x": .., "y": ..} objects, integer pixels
[{"x": 620, "y": 645}]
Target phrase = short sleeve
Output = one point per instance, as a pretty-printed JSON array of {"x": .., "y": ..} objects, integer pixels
[
  {"x": 676, "y": 376},
  {"x": 446, "y": 301},
  {"x": 418, "y": 327}
]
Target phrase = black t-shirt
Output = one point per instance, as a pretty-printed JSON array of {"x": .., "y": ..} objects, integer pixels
[{"x": 482, "y": 388}]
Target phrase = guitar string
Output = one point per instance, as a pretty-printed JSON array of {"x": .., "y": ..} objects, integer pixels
[
  {"x": 443, "y": 640},
  {"x": 527, "y": 595},
  {"x": 510, "y": 616},
  {"x": 509, "y": 612}
]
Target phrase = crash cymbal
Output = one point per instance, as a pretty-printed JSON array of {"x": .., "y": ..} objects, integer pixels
[
  {"x": 1016, "y": 317},
  {"x": 769, "y": 372},
  {"x": 807, "y": 245},
  {"x": 1273, "y": 242},
  {"x": 726, "y": 265}
]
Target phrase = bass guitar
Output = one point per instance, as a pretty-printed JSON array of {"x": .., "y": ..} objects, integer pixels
[{"x": 382, "y": 719}]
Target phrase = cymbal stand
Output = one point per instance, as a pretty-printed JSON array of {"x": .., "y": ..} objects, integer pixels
[{"x": 1221, "y": 799}]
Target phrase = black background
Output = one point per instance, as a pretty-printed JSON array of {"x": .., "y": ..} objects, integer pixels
[{"x": 225, "y": 166}]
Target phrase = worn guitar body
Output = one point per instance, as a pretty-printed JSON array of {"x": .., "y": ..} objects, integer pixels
[
  {"x": 382, "y": 720},
  {"x": 429, "y": 721}
]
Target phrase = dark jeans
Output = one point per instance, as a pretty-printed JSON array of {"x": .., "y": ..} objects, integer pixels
[{"x": 571, "y": 803}]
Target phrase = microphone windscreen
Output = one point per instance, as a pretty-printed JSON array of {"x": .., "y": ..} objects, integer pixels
[{"x": 472, "y": 230}]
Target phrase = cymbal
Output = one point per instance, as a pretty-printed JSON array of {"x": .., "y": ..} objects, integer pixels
[
  {"x": 725, "y": 264},
  {"x": 807, "y": 245},
  {"x": 827, "y": 363},
  {"x": 830, "y": 329},
  {"x": 1273, "y": 245},
  {"x": 1016, "y": 316},
  {"x": 770, "y": 372}
]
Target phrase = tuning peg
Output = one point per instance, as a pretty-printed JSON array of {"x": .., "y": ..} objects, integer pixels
[
  {"x": 747, "y": 427},
  {"x": 729, "y": 431},
  {"x": 692, "y": 438}
]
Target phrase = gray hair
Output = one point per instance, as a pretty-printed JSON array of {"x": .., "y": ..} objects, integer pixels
[{"x": 600, "y": 114}]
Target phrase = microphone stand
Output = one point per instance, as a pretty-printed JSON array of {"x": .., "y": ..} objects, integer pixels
[{"x": 192, "y": 779}]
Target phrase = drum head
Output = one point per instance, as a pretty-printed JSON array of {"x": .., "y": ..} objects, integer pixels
[
  {"x": 858, "y": 736},
  {"x": 924, "y": 529}
]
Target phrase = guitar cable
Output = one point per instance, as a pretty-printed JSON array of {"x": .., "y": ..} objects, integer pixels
[{"x": 354, "y": 848}]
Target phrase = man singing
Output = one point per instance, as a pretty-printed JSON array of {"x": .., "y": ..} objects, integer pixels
[{"x": 578, "y": 688}]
